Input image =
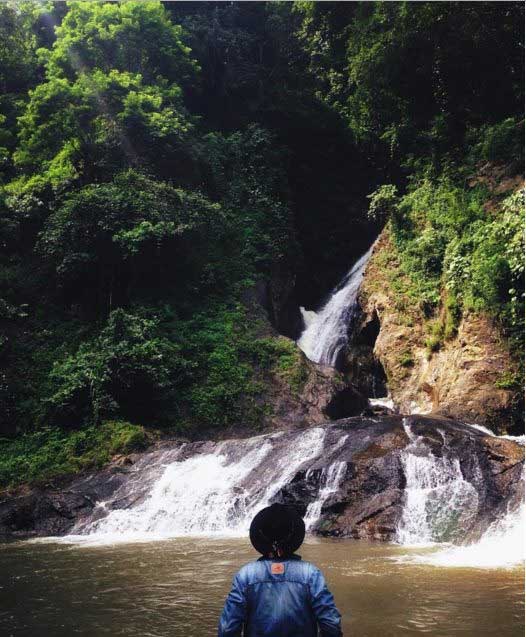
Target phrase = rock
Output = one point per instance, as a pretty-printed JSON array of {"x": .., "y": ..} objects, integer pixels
[
  {"x": 460, "y": 380},
  {"x": 322, "y": 393},
  {"x": 369, "y": 501},
  {"x": 304, "y": 394},
  {"x": 365, "y": 501},
  {"x": 122, "y": 461}
]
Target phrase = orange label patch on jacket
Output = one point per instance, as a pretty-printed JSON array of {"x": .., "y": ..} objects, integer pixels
[{"x": 277, "y": 568}]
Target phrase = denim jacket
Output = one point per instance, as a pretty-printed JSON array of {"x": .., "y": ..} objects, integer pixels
[{"x": 279, "y": 598}]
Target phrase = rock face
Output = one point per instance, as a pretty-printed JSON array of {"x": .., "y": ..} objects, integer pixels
[
  {"x": 304, "y": 393},
  {"x": 462, "y": 380},
  {"x": 348, "y": 478},
  {"x": 324, "y": 394}
]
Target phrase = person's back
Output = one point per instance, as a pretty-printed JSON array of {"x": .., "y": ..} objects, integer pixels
[{"x": 279, "y": 596}]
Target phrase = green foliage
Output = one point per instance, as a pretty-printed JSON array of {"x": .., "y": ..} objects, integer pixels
[
  {"x": 110, "y": 237},
  {"x": 448, "y": 240},
  {"x": 131, "y": 369},
  {"x": 434, "y": 341},
  {"x": 510, "y": 380},
  {"x": 414, "y": 76},
  {"x": 224, "y": 389},
  {"x": 383, "y": 203},
  {"x": 107, "y": 101},
  {"x": 247, "y": 173},
  {"x": 282, "y": 357},
  {"x": 22, "y": 30},
  {"x": 96, "y": 125},
  {"x": 406, "y": 360},
  {"x": 452, "y": 315},
  {"x": 143, "y": 192},
  {"x": 502, "y": 142},
  {"x": 51, "y": 453},
  {"x": 486, "y": 266},
  {"x": 134, "y": 37}
]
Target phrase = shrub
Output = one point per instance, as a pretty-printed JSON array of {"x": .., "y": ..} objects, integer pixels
[
  {"x": 131, "y": 369},
  {"x": 501, "y": 142},
  {"x": 282, "y": 357},
  {"x": 53, "y": 452},
  {"x": 407, "y": 360},
  {"x": 383, "y": 202}
]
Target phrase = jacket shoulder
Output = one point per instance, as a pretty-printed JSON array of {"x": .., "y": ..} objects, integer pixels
[
  {"x": 308, "y": 569},
  {"x": 248, "y": 571}
]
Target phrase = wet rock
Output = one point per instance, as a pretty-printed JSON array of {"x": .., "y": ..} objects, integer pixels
[
  {"x": 363, "y": 456},
  {"x": 323, "y": 394},
  {"x": 305, "y": 393}
]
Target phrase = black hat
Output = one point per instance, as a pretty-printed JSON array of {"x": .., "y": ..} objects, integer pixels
[{"x": 277, "y": 527}]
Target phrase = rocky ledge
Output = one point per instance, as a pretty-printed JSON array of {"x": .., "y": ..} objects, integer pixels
[{"x": 352, "y": 473}]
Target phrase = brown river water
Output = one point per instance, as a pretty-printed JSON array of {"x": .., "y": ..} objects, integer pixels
[{"x": 177, "y": 587}]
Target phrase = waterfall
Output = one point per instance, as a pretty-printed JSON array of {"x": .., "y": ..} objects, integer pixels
[
  {"x": 440, "y": 506},
  {"x": 210, "y": 493},
  {"x": 326, "y": 331},
  {"x": 386, "y": 402},
  {"x": 439, "y": 503},
  {"x": 211, "y": 488},
  {"x": 330, "y": 479},
  {"x": 501, "y": 546}
]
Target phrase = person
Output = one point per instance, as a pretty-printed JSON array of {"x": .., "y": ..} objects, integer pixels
[{"x": 279, "y": 595}]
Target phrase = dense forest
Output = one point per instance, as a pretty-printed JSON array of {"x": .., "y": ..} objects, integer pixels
[{"x": 165, "y": 166}]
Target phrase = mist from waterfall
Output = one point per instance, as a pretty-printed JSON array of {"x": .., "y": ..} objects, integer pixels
[{"x": 326, "y": 331}]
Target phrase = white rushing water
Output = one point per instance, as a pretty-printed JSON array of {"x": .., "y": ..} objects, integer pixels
[
  {"x": 330, "y": 478},
  {"x": 501, "y": 546},
  {"x": 217, "y": 491},
  {"x": 385, "y": 401},
  {"x": 440, "y": 504},
  {"x": 211, "y": 493},
  {"x": 326, "y": 330}
]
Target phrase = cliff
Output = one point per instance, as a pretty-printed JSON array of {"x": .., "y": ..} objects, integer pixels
[{"x": 465, "y": 376}]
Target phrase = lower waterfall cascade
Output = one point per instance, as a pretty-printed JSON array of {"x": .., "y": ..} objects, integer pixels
[
  {"x": 212, "y": 493},
  {"x": 439, "y": 502},
  {"x": 217, "y": 491},
  {"x": 331, "y": 479},
  {"x": 437, "y": 494}
]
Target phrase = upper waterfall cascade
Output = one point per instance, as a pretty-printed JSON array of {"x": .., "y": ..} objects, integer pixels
[{"x": 326, "y": 330}]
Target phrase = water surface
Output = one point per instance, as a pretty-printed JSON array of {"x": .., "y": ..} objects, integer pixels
[{"x": 177, "y": 588}]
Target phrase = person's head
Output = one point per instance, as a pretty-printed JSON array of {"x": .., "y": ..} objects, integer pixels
[{"x": 277, "y": 531}]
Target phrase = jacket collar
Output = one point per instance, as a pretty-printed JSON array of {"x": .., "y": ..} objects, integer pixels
[{"x": 278, "y": 559}]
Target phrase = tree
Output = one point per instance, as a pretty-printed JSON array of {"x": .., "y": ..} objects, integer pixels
[
  {"x": 112, "y": 97},
  {"x": 131, "y": 369},
  {"x": 106, "y": 242},
  {"x": 411, "y": 73}
]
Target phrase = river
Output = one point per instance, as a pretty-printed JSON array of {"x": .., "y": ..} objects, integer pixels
[{"x": 177, "y": 587}]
